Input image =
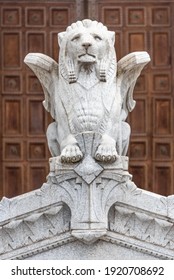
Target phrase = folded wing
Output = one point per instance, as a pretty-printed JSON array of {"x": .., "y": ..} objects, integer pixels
[
  {"x": 129, "y": 69},
  {"x": 46, "y": 70}
]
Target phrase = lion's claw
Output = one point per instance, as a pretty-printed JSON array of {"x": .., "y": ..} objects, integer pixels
[
  {"x": 106, "y": 153},
  {"x": 71, "y": 154}
]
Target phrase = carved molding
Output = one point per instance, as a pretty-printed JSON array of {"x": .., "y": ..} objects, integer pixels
[
  {"x": 139, "y": 246},
  {"x": 143, "y": 225},
  {"x": 24, "y": 231}
]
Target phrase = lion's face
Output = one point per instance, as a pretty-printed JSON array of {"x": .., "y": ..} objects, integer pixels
[{"x": 87, "y": 45}]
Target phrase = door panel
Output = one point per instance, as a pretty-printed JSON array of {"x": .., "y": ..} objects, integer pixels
[
  {"x": 147, "y": 26},
  {"x": 27, "y": 26}
]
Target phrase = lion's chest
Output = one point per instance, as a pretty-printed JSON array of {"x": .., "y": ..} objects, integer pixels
[{"x": 88, "y": 109}]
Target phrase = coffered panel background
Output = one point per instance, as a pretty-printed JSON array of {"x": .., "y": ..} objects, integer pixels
[
  {"x": 32, "y": 26},
  {"x": 27, "y": 26},
  {"x": 147, "y": 25}
]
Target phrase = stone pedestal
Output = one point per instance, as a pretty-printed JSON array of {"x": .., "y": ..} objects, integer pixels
[{"x": 87, "y": 210}]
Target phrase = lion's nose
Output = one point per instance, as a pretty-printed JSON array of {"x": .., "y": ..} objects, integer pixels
[{"x": 86, "y": 45}]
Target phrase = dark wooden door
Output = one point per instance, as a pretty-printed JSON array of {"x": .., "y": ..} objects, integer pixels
[
  {"x": 26, "y": 26},
  {"x": 147, "y": 25},
  {"x": 32, "y": 26}
]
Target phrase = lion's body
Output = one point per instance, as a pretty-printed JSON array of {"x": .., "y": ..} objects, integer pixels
[
  {"x": 90, "y": 101},
  {"x": 86, "y": 94},
  {"x": 88, "y": 109}
]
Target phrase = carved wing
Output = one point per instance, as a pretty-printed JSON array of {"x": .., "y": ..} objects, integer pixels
[
  {"x": 46, "y": 70},
  {"x": 128, "y": 70}
]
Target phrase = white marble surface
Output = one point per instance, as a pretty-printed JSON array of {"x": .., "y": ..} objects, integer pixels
[{"x": 89, "y": 91}]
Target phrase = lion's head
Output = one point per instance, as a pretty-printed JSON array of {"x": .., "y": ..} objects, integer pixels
[{"x": 86, "y": 44}]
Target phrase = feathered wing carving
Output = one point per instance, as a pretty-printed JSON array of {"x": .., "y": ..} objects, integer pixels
[
  {"x": 46, "y": 70},
  {"x": 129, "y": 69},
  {"x": 58, "y": 134}
]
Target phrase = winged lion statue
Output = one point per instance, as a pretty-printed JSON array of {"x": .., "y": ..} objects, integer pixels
[{"x": 89, "y": 91}]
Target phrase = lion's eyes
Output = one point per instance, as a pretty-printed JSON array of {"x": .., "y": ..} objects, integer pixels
[
  {"x": 97, "y": 38},
  {"x": 75, "y": 38}
]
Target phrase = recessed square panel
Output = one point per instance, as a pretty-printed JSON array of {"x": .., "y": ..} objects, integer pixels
[
  {"x": 162, "y": 82},
  {"x": 59, "y": 16},
  {"x": 162, "y": 150},
  {"x": 11, "y": 16},
  {"x": 112, "y": 16},
  {"x": 138, "y": 150},
  {"x": 33, "y": 85},
  {"x": 12, "y": 150},
  {"x": 136, "y": 16},
  {"x": 161, "y": 16},
  {"x": 36, "y": 151},
  {"x": 11, "y": 84},
  {"x": 35, "y": 17}
]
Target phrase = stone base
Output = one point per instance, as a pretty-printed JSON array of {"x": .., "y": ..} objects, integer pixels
[
  {"x": 83, "y": 206},
  {"x": 37, "y": 225}
]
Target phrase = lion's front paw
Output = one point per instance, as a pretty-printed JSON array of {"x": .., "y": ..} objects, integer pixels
[
  {"x": 106, "y": 153},
  {"x": 71, "y": 154}
]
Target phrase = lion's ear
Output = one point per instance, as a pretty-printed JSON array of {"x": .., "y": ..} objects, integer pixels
[
  {"x": 112, "y": 36},
  {"x": 60, "y": 37}
]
